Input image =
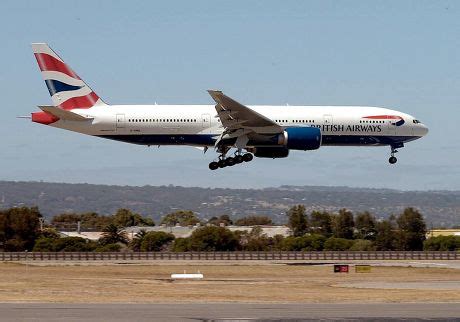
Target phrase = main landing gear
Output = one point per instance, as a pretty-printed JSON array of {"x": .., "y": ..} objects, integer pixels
[{"x": 230, "y": 161}]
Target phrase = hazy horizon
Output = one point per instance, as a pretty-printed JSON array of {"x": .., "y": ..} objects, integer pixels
[{"x": 217, "y": 187}]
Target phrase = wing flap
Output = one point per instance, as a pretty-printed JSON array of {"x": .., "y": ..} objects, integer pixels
[{"x": 235, "y": 115}]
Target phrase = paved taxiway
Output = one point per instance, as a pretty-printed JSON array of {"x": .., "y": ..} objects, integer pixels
[{"x": 225, "y": 312}]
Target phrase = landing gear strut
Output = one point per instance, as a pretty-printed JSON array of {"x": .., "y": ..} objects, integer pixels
[
  {"x": 392, "y": 158},
  {"x": 230, "y": 161}
]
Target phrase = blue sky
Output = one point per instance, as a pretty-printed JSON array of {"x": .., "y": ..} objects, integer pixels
[{"x": 403, "y": 55}]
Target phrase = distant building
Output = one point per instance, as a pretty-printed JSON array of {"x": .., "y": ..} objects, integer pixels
[
  {"x": 178, "y": 231},
  {"x": 442, "y": 232}
]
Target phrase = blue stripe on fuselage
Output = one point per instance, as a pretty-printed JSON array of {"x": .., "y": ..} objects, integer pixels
[
  {"x": 55, "y": 86},
  {"x": 209, "y": 139}
]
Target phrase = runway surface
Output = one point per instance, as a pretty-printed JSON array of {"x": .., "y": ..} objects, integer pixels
[{"x": 227, "y": 312}]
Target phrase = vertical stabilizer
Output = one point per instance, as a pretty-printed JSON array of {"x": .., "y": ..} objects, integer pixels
[{"x": 68, "y": 91}]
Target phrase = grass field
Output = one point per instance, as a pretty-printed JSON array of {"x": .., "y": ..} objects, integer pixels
[{"x": 129, "y": 283}]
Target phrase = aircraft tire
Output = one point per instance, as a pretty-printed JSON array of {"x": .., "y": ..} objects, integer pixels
[
  {"x": 238, "y": 159},
  {"x": 392, "y": 160},
  {"x": 221, "y": 164},
  {"x": 213, "y": 166},
  {"x": 247, "y": 157},
  {"x": 229, "y": 161}
]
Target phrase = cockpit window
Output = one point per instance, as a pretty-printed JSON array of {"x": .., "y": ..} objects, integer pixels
[{"x": 416, "y": 121}]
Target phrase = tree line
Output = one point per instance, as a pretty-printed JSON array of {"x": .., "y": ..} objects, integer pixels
[{"x": 22, "y": 229}]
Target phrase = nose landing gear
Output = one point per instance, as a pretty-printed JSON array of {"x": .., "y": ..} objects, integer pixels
[{"x": 392, "y": 158}]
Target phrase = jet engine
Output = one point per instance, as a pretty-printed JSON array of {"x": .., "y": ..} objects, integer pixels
[{"x": 300, "y": 138}]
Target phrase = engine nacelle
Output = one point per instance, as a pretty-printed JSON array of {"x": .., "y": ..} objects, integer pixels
[
  {"x": 273, "y": 153},
  {"x": 301, "y": 138}
]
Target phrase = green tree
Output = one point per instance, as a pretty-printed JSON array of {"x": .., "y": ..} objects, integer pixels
[
  {"x": 74, "y": 244},
  {"x": 19, "y": 228},
  {"x": 217, "y": 221},
  {"x": 385, "y": 235},
  {"x": 181, "y": 217},
  {"x": 254, "y": 221},
  {"x": 362, "y": 245},
  {"x": 126, "y": 218},
  {"x": 412, "y": 230},
  {"x": 112, "y": 235},
  {"x": 314, "y": 242},
  {"x": 50, "y": 232},
  {"x": 88, "y": 220},
  {"x": 442, "y": 243},
  {"x": 136, "y": 242},
  {"x": 181, "y": 245},
  {"x": 154, "y": 241},
  {"x": 45, "y": 244},
  {"x": 365, "y": 226},
  {"x": 213, "y": 239},
  {"x": 337, "y": 244},
  {"x": 343, "y": 224},
  {"x": 254, "y": 240},
  {"x": 321, "y": 223},
  {"x": 297, "y": 220},
  {"x": 108, "y": 248}
]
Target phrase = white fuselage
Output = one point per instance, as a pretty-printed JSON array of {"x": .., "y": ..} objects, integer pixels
[{"x": 198, "y": 125}]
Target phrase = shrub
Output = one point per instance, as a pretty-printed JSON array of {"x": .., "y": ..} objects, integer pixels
[
  {"x": 442, "y": 243},
  {"x": 337, "y": 244},
  {"x": 181, "y": 245},
  {"x": 362, "y": 245},
  {"x": 213, "y": 239},
  {"x": 155, "y": 240},
  {"x": 108, "y": 248}
]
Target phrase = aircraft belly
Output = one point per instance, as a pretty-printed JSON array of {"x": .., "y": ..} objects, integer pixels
[
  {"x": 165, "y": 139},
  {"x": 364, "y": 140}
]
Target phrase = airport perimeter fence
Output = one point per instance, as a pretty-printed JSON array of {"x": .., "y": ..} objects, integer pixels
[{"x": 225, "y": 256}]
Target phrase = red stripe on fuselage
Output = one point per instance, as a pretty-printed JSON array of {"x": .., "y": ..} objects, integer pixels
[
  {"x": 48, "y": 63},
  {"x": 384, "y": 117},
  {"x": 86, "y": 101}
]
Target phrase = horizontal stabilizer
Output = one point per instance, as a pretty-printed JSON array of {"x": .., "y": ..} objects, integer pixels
[{"x": 63, "y": 114}]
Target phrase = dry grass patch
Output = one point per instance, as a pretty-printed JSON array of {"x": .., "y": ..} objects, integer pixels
[{"x": 222, "y": 283}]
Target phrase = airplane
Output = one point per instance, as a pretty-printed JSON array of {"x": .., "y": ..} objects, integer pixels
[{"x": 226, "y": 125}]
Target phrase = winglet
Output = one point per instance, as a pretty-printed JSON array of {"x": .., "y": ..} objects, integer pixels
[{"x": 216, "y": 95}]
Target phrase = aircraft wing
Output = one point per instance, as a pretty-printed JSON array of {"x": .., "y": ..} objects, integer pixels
[{"x": 235, "y": 116}]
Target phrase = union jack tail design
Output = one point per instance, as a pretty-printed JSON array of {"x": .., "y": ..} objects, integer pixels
[{"x": 67, "y": 90}]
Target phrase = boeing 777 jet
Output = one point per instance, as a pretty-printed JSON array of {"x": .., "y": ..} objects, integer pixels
[{"x": 237, "y": 132}]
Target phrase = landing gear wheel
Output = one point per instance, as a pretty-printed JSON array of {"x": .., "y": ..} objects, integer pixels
[
  {"x": 247, "y": 157},
  {"x": 213, "y": 166},
  {"x": 221, "y": 164},
  {"x": 238, "y": 159},
  {"x": 392, "y": 160},
  {"x": 229, "y": 161}
]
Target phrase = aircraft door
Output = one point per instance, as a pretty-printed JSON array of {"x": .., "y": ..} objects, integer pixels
[
  {"x": 327, "y": 119},
  {"x": 206, "y": 120},
  {"x": 120, "y": 120}
]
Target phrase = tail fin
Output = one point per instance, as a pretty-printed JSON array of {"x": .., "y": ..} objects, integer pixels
[{"x": 67, "y": 90}]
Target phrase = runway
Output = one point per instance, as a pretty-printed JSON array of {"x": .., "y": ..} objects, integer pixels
[{"x": 226, "y": 312}]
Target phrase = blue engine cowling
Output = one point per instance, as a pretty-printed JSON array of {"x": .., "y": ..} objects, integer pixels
[{"x": 301, "y": 138}]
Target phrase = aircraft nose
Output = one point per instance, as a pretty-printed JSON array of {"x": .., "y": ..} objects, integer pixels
[{"x": 423, "y": 129}]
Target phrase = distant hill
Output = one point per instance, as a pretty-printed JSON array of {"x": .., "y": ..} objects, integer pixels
[{"x": 440, "y": 208}]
